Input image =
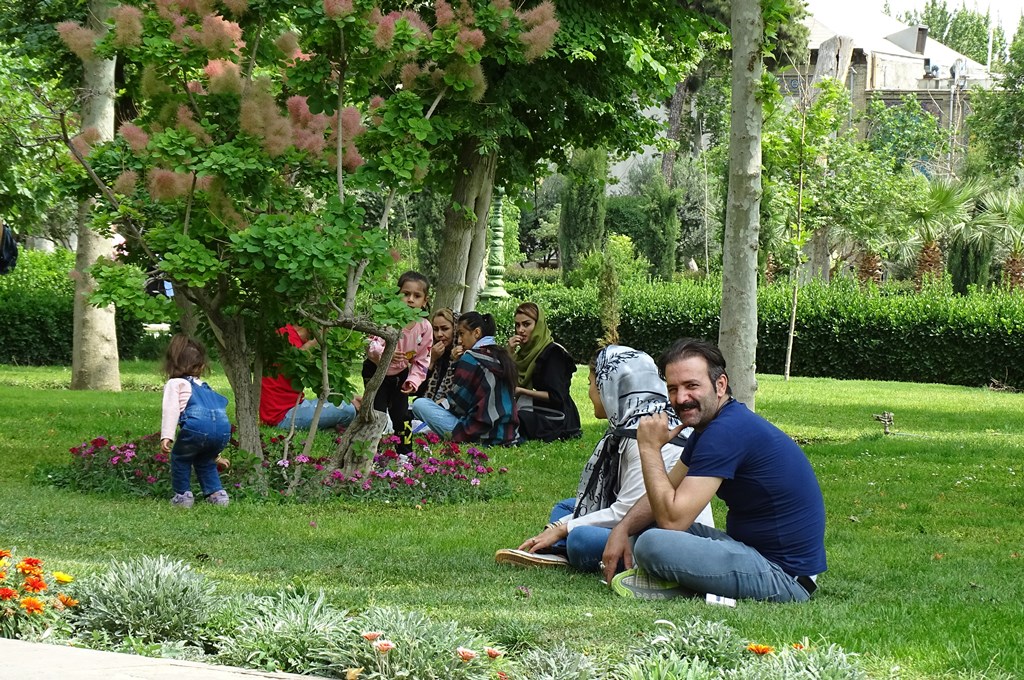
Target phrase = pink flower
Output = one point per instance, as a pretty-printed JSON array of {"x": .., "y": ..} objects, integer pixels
[
  {"x": 79, "y": 39},
  {"x": 444, "y": 13},
  {"x": 127, "y": 25},
  {"x": 385, "y": 34},
  {"x": 474, "y": 482},
  {"x": 166, "y": 185},
  {"x": 337, "y": 9},
  {"x": 383, "y": 646},
  {"x": 372, "y": 635},
  {"x": 539, "y": 39},
  {"x": 125, "y": 182},
  {"x": 288, "y": 43},
  {"x": 466, "y": 655},
  {"x": 538, "y": 15},
  {"x": 467, "y": 39},
  {"x": 409, "y": 481},
  {"x": 492, "y": 652},
  {"x": 237, "y": 7},
  {"x": 224, "y": 77},
  {"x": 151, "y": 479},
  {"x": 220, "y": 36}
]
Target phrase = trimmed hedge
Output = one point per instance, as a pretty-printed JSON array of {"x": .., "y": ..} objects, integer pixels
[
  {"x": 37, "y": 313},
  {"x": 841, "y": 331}
]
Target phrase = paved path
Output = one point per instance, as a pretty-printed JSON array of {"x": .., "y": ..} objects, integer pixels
[{"x": 21, "y": 660}]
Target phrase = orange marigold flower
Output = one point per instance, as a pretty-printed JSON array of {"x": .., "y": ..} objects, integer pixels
[
  {"x": 3, "y": 574},
  {"x": 466, "y": 655},
  {"x": 383, "y": 646},
  {"x": 31, "y": 566},
  {"x": 32, "y": 605},
  {"x": 67, "y": 600},
  {"x": 492, "y": 652},
  {"x": 760, "y": 650},
  {"x": 372, "y": 635},
  {"x": 61, "y": 577},
  {"x": 4, "y": 552},
  {"x": 8, "y": 594},
  {"x": 34, "y": 584},
  {"x": 797, "y": 646}
]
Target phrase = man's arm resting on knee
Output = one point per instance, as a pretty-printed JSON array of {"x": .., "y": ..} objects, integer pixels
[{"x": 674, "y": 499}]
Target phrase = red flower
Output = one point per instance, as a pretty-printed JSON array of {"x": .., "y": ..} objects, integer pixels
[
  {"x": 67, "y": 601},
  {"x": 4, "y": 553},
  {"x": 8, "y": 594},
  {"x": 34, "y": 584}
]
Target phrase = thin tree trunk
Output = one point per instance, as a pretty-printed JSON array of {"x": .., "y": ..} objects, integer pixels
[
  {"x": 737, "y": 336},
  {"x": 792, "y": 326},
  {"x": 675, "y": 115},
  {"x": 460, "y": 219},
  {"x": 94, "y": 362},
  {"x": 243, "y": 368},
  {"x": 478, "y": 248}
]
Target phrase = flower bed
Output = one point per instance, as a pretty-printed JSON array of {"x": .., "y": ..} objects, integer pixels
[
  {"x": 28, "y": 604},
  {"x": 436, "y": 471}
]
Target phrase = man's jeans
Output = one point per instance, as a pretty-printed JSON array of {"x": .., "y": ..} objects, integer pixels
[
  {"x": 706, "y": 560},
  {"x": 440, "y": 420},
  {"x": 331, "y": 415}
]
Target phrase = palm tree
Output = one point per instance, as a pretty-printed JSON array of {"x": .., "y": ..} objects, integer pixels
[
  {"x": 1006, "y": 226},
  {"x": 947, "y": 206}
]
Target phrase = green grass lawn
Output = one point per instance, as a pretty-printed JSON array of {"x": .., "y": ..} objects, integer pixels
[{"x": 923, "y": 539}]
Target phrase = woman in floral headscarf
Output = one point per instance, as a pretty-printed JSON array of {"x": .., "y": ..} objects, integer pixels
[{"x": 624, "y": 387}]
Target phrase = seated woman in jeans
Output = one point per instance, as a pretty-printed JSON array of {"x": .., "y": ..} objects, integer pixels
[
  {"x": 481, "y": 403},
  {"x": 624, "y": 386}
]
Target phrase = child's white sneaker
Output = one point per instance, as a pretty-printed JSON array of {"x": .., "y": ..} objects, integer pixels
[
  {"x": 183, "y": 500},
  {"x": 218, "y": 498}
]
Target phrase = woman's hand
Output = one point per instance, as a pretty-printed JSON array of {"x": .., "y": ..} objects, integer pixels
[
  {"x": 547, "y": 538},
  {"x": 436, "y": 352},
  {"x": 514, "y": 342}
]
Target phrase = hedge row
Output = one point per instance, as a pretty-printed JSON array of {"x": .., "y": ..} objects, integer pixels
[
  {"x": 37, "y": 313},
  {"x": 841, "y": 331}
]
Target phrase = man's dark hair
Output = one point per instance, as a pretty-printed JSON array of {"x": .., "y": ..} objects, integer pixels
[{"x": 685, "y": 348}]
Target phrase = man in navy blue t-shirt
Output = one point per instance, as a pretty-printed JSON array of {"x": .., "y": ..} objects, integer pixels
[{"x": 773, "y": 545}]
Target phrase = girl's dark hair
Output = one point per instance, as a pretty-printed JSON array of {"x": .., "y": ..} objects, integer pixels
[
  {"x": 417, "y": 277},
  {"x": 185, "y": 357},
  {"x": 487, "y": 326}
]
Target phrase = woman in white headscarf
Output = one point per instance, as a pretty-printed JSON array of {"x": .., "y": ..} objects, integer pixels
[{"x": 624, "y": 387}]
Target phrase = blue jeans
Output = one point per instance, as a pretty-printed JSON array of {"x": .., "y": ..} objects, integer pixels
[
  {"x": 440, "y": 420},
  {"x": 707, "y": 560},
  {"x": 330, "y": 416},
  {"x": 196, "y": 450},
  {"x": 585, "y": 544},
  {"x": 204, "y": 433}
]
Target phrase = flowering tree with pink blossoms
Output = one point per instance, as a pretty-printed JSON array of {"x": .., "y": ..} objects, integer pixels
[{"x": 260, "y": 119}]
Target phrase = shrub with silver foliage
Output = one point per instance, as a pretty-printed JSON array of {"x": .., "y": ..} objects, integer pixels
[{"x": 149, "y": 599}]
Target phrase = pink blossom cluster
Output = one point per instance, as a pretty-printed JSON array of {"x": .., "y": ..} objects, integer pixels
[
  {"x": 187, "y": 122},
  {"x": 79, "y": 39},
  {"x": 338, "y": 9},
  {"x": 542, "y": 26},
  {"x": 127, "y": 26},
  {"x": 308, "y": 129},
  {"x": 136, "y": 137},
  {"x": 225, "y": 77},
  {"x": 167, "y": 185},
  {"x": 259, "y": 117}
]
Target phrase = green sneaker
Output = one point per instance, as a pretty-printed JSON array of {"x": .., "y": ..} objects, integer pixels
[{"x": 641, "y": 585}]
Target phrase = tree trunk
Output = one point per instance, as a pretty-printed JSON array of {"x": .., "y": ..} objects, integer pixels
[
  {"x": 478, "y": 248},
  {"x": 737, "y": 336},
  {"x": 675, "y": 115},
  {"x": 468, "y": 209},
  {"x": 243, "y": 368},
  {"x": 94, "y": 357},
  {"x": 929, "y": 264},
  {"x": 819, "y": 255}
]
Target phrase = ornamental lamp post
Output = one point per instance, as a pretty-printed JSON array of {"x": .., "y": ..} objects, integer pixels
[{"x": 495, "y": 287}]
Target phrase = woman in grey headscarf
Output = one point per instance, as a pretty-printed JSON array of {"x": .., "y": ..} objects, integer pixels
[{"x": 624, "y": 387}]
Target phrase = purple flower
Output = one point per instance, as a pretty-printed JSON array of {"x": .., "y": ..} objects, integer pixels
[
  {"x": 474, "y": 482},
  {"x": 283, "y": 462},
  {"x": 151, "y": 479},
  {"x": 301, "y": 458}
]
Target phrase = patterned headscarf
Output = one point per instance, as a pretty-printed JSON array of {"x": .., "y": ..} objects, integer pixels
[
  {"x": 439, "y": 384},
  {"x": 630, "y": 388}
]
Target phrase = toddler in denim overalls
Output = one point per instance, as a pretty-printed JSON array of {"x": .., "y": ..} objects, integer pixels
[{"x": 202, "y": 416}]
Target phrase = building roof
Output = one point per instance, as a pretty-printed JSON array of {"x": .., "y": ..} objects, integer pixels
[{"x": 873, "y": 32}]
